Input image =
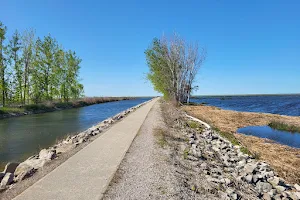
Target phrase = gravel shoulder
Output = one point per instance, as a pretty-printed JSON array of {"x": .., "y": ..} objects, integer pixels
[{"x": 144, "y": 172}]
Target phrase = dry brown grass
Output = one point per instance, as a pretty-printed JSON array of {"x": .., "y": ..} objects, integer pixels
[{"x": 285, "y": 160}]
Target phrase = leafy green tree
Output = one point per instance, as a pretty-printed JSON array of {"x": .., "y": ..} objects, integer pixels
[
  {"x": 2, "y": 62},
  {"x": 13, "y": 50},
  {"x": 37, "y": 70},
  {"x": 173, "y": 65}
]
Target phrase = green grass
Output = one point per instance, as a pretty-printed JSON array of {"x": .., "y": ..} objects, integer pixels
[
  {"x": 160, "y": 137},
  {"x": 284, "y": 127},
  {"x": 193, "y": 124},
  {"x": 230, "y": 137},
  {"x": 6, "y": 110},
  {"x": 245, "y": 150},
  {"x": 186, "y": 153}
]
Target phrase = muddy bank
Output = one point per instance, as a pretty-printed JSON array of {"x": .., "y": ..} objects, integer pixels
[{"x": 285, "y": 160}]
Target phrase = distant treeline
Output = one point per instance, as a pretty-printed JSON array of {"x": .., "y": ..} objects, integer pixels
[{"x": 34, "y": 70}]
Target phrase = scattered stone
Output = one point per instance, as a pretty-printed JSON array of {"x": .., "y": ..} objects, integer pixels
[
  {"x": 274, "y": 181},
  {"x": 23, "y": 171},
  {"x": 293, "y": 196},
  {"x": 280, "y": 189},
  {"x": 47, "y": 154},
  {"x": 249, "y": 168},
  {"x": 297, "y": 187},
  {"x": 267, "y": 196},
  {"x": 248, "y": 178},
  {"x": 10, "y": 167},
  {"x": 35, "y": 162},
  {"x": 263, "y": 187}
]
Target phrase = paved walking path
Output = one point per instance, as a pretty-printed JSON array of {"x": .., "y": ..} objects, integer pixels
[{"x": 86, "y": 175}]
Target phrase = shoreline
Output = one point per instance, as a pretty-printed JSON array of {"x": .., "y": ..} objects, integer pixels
[
  {"x": 284, "y": 159},
  {"x": 29, "y": 171},
  {"x": 63, "y": 106}
]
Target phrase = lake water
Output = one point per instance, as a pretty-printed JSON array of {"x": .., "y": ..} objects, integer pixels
[
  {"x": 24, "y": 136},
  {"x": 277, "y": 104},
  {"x": 282, "y": 137}
]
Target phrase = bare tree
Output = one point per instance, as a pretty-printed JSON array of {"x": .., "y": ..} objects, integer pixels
[{"x": 173, "y": 66}]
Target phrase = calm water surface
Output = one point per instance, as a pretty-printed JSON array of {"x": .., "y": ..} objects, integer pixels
[
  {"x": 282, "y": 137},
  {"x": 277, "y": 104},
  {"x": 21, "y": 137}
]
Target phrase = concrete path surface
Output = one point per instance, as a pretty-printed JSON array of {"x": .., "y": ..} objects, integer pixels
[{"x": 87, "y": 174}]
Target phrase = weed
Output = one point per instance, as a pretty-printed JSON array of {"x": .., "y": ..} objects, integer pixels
[
  {"x": 160, "y": 137},
  {"x": 193, "y": 124},
  {"x": 245, "y": 150},
  {"x": 284, "y": 127},
  {"x": 186, "y": 153},
  {"x": 6, "y": 110},
  {"x": 229, "y": 137},
  {"x": 193, "y": 188}
]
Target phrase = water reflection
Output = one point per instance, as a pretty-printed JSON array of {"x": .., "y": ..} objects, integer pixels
[{"x": 282, "y": 137}]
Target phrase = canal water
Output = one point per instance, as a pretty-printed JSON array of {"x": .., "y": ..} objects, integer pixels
[
  {"x": 282, "y": 137},
  {"x": 24, "y": 136}
]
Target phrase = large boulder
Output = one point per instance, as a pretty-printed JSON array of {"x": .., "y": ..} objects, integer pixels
[
  {"x": 10, "y": 167},
  {"x": 7, "y": 179},
  {"x": 274, "y": 181},
  {"x": 23, "y": 171},
  {"x": 263, "y": 187},
  {"x": 47, "y": 154},
  {"x": 250, "y": 167},
  {"x": 35, "y": 163}
]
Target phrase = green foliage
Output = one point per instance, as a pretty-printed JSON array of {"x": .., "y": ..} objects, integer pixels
[
  {"x": 230, "y": 137},
  {"x": 186, "y": 153},
  {"x": 158, "y": 66},
  {"x": 37, "y": 70},
  {"x": 284, "y": 127},
  {"x": 7, "y": 110},
  {"x": 193, "y": 124},
  {"x": 245, "y": 150},
  {"x": 160, "y": 137},
  {"x": 36, "y": 107},
  {"x": 173, "y": 65}
]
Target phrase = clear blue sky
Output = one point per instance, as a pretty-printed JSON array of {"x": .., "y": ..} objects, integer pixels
[{"x": 253, "y": 46}]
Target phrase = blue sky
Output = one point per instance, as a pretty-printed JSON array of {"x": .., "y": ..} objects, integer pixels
[{"x": 253, "y": 46}]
